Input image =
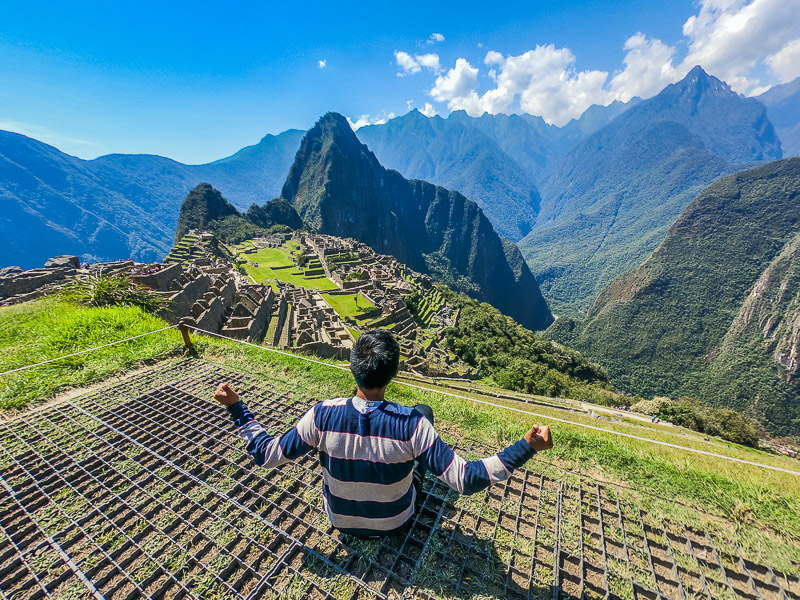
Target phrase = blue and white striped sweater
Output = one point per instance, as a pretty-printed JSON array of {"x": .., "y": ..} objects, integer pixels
[{"x": 368, "y": 458}]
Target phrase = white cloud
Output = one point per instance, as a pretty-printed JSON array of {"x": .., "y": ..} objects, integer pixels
[
  {"x": 435, "y": 37},
  {"x": 431, "y": 61},
  {"x": 648, "y": 68},
  {"x": 413, "y": 64},
  {"x": 365, "y": 120},
  {"x": 406, "y": 62},
  {"x": 729, "y": 38},
  {"x": 786, "y": 62},
  {"x": 322, "y": 64},
  {"x": 750, "y": 44},
  {"x": 428, "y": 110},
  {"x": 493, "y": 58},
  {"x": 457, "y": 87},
  {"x": 542, "y": 78}
]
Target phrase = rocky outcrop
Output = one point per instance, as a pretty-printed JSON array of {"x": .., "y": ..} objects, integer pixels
[{"x": 771, "y": 312}]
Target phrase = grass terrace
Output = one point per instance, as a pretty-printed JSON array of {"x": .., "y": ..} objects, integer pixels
[
  {"x": 354, "y": 306},
  {"x": 276, "y": 263}
]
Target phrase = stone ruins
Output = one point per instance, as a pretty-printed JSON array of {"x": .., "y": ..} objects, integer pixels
[{"x": 207, "y": 287}]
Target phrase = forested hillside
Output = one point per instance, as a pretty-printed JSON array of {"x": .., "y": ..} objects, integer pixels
[{"x": 713, "y": 312}]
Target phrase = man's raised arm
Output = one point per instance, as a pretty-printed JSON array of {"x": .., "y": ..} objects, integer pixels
[
  {"x": 266, "y": 450},
  {"x": 474, "y": 476}
]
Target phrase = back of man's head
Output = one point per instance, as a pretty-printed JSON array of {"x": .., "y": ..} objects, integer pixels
[{"x": 374, "y": 359}]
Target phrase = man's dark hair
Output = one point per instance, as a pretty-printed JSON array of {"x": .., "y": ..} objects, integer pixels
[{"x": 374, "y": 359}]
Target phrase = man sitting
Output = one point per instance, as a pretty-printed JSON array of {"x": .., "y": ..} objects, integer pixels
[{"x": 373, "y": 452}]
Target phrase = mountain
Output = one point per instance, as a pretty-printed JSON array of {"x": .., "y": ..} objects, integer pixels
[
  {"x": 495, "y": 160},
  {"x": 462, "y": 158},
  {"x": 205, "y": 208},
  {"x": 714, "y": 312},
  {"x": 783, "y": 109},
  {"x": 608, "y": 202},
  {"x": 339, "y": 187},
  {"x": 117, "y": 206},
  {"x": 200, "y": 208}
]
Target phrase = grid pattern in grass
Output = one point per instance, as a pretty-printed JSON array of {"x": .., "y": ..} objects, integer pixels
[{"x": 143, "y": 490}]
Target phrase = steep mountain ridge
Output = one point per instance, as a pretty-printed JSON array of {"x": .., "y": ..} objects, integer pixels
[
  {"x": 462, "y": 158},
  {"x": 713, "y": 312},
  {"x": 339, "y": 187},
  {"x": 609, "y": 201}
]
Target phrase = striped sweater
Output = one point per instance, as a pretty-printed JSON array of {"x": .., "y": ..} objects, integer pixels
[{"x": 368, "y": 460}]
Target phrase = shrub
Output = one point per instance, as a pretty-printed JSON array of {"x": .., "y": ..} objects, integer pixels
[{"x": 99, "y": 289}]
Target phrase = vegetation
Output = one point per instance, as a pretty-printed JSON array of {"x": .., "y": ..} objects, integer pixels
[
  {"x": 684, "y": 324},
  {"x": 276, "y": 213},
  {"x": 203, "y": 205},
  {"x": 356, "y": 276},
  {"x": 350, "y": 305},
  {"x": 278, "y": 264},
  {"x": 205, "y": 208},
  {"x": 233, "y": 229},
  {"x": 693, "y": 414},
  {"x": 100, "y": 289},
  {"x": 515, "y": 358},
  {"x": 53, "y": 327}
]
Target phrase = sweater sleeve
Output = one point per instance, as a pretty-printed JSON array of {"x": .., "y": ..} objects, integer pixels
[
  {"x": 463, "y": 476},
  {"x": 269, "y": 451}
]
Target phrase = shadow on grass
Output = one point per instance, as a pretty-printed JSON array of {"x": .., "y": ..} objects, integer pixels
[{"x": 435, "y": 558}]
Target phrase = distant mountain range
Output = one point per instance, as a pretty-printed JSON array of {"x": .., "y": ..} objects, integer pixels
[
  {"x": 783, "y": 109},
  {"x": 586, "y": 201},
  {"x": 117, "y": 206},
  {"x": 495, "y": 160},
  {"x": 607, "y": 203},
  {"x": 714, "y": 312}
]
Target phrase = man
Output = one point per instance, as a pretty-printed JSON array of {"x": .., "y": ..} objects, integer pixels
[{"x": 373, "y": 452}]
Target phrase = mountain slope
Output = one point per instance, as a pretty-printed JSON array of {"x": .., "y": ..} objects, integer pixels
[
  {"x": 205, "y": 208},
  {"x": 783, "y": 109},
  {"x": 462, "y": 158},
  {"x": 339, "y": 188},
  {"x": 608, "y": 202},
  {"x": 713, "y": 311},
  {"x": 117, "y": 206}
]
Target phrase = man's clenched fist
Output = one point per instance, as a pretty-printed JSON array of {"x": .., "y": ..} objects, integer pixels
[
  {"x": 539, "y": 438},
  {"x": 225, "y": 395}
]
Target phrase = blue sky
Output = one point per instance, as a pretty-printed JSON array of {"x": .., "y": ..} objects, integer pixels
[{"x": 198, "y": 81}]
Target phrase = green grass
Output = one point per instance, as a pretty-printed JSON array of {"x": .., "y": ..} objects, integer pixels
[
  {"x": 345, "y": 305},
  {"x": 760, "y": 509},
  {"x": 49, "y": 328},
  {"x": 275, "y": 263}
]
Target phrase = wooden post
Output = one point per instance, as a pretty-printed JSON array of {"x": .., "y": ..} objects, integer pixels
[{"x": 185, "y": 332}]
